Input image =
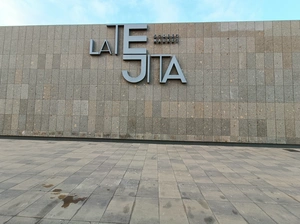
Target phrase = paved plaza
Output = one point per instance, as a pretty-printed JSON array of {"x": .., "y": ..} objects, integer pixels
[{"x": 114, "y": 182}]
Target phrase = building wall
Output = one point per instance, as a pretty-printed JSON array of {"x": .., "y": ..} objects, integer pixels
[{"x": 243, "y": 83}]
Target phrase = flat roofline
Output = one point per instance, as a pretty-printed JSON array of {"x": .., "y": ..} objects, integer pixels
[{"x": 150, "y": 23}]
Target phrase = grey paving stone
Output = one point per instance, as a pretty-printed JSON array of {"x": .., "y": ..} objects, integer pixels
[
  {"x": 198, "y": 211},
  {"x": 42, "y": 206},
  {"x": 17, "y": 220},
  {"x": 107, "y": 187},
  {"x": 294, "y": 209},
  {"x": 119, "y": 210},
  {"x": 93, "y": 209},
  {"x": 225, "y": 212},
  {"x": 127, "y": 188},
  {"x": 189, "y": 191},
  {"x": 81, "y": 222},
  {"x": 252, "y": 213},
  {"x": 20, "y": 203},
  {"x": 168, "y": 190},
  {"x": 279, "y": 213},
  {"x": 148, "y": 188},
  {"x": 172, "y": 211},
  {"x": 53, "y": 221},
  {"x": 4, "y": 219},
  {"x": 145, "y": 211}
]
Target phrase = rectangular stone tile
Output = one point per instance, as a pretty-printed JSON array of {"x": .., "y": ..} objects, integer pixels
[
  {"x": 148, "y": 188},
  {"x": 225, "y": 212},
  {"x": 228, "y": 219},
  {"x": 29, "y": 183},
  {"x": 233, "y": 194},
  {"x": 17, "y": 220},
  {"x": 198, "y": 211},
  {"x": 42, "y": 206},
  {"x": 172, "y": 211},
  {"x": 107, "y": 186},
  {"x": 256, "y": 195},
  {"x": 150, "y": 174},
  {"x": 145, "y": 211},
  {"x": 183, "y": 177},
  {"x": 189, "y": 191},
  {"x": 87, "y": 186},
  {"x": 20, "y": 203},
  {"x": 119, "y": 210},
  {"x": 210, "y": 194},
  {"x": 127, "y": 188},
  {"x": 81, "y": 222},
  {"x": 53, "y": 221},
  {"x": 168, "y": 190},
  {"x": 278, "y": 213},
  {"x": 252, "y": 213},
  {"x": 93, "y": 208},
  {"x": 4, "y": 219},
  {"x": 166, "y": 175},
  {"x": 279, "y": 196},
  {"x": 294, "y": 209}
]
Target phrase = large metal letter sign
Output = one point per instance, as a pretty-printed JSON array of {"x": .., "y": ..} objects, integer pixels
[
  {"x": 134, "y": 39},
  {"x": 140, "y": 54},
  {"x": 143, "y": 68},
  {"x": 180, "y": 75},
  {"x": 134, "y": 53}
]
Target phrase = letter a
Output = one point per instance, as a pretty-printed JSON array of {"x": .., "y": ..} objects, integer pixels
[
  {"x": 105, "y": 45},
  {"x": 180, "y": 75}
]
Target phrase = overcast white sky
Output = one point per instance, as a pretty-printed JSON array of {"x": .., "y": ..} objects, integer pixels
[{"x": 44, "y": 12}]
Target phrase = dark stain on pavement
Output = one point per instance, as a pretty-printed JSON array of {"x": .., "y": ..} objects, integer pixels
[
  {"x": 209, "y": 220},
  {"x": 126, "y": 209},
  {"x": 70, "y": 199},
  {"x": 235, "y": 211},
  {"x": 190, "y": 214},
  {"x": 56, "y": 191},
  {"x": 222, "y": 197},
  {"x": 48, "y": 185}
]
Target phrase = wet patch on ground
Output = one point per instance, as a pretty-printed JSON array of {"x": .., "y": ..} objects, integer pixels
[
  {"x": 48, "y": 185},
  {"x": 70, "y": 199}
]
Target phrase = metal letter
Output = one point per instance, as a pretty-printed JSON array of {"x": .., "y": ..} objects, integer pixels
[
  {"x": 105, "y": 43},
  {"x": 142, "y": 75},
  {"x": 117, "y": 40},
  {"x": 116, "y": 37},
  {"x": 160, "y": 56},
  {"x": 148, "y": 69},
  {"x": 180, "y": 75},
  {"x": 92, "y": 52},
  {"x": 133, "y": 39}
]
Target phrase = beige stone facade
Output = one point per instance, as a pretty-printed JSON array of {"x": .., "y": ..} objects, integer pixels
[{"x": 243, "y": 83}]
